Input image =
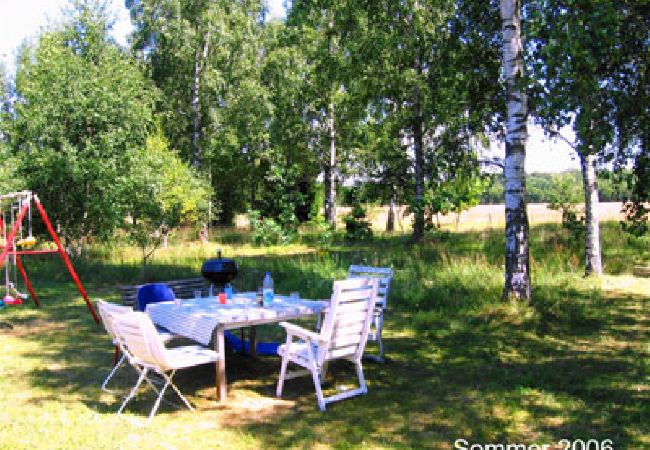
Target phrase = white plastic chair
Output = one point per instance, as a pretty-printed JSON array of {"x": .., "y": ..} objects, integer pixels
[
  {"x": 106, "y": 310},
  {"x": 343, "y": 335},
  {"x": 146, "y": 352},
  {"x": 385, "y": 276}
]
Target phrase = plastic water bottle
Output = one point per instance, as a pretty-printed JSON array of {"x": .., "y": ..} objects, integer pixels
[{"x": 267, "y": 289}]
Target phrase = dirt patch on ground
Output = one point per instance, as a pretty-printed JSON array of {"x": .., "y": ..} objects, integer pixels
[{"x": 243, "y": 408}]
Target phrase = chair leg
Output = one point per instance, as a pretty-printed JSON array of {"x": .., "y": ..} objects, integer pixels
[
  {"x": 380, "y": 343},
  {"x": 319, "y": 391},
  {"x": 362, "y": 380},
  {"x": 116, "y": 354},
  {"x": 142, "y": 376},
  {"x": 316, "y": 377},
  {"x": 283, "y": 367},
  {"x": 377, "y": 324},
  {"x": 178, "y": 392},
  {"x": 283, "y": 372},
  {"x": 159, "y": 399},
  {"x": 168, "y": 382},
  {"x": 323, "y": 372},
  {"x": 110, "y": 375}
]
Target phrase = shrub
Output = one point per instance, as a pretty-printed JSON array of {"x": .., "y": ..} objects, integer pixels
[
  {"x": 266, "y": 231},
  {"x": 357, "y": 227}
]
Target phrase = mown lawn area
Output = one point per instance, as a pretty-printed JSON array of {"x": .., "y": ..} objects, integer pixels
[{"x": 462, "y": 363}]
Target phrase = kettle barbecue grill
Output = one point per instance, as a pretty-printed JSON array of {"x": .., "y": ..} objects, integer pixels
[{"x": 219, "y": 271}]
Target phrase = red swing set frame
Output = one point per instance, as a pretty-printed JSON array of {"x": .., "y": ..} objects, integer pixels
[{"x": 9, "y": 248}]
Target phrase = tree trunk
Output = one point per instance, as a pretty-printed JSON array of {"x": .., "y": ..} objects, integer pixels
[
  {"x": 593, "y": 264},
  {"x": 330, "y": 166},
  {"x": 330, "y": 170},
  {"x": 517, "y": 262},
  {"x": 418, "y": 148},
  {"x": 418, "y": 151},
  {"x": 199, "y": 59},
  {"x": 390, "y": 220}
]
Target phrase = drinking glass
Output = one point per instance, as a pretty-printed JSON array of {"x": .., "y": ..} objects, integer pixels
[{"x": 260, "y": 296}]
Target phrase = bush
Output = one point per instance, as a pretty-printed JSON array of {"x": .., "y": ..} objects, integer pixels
[
  {"x": 564, "y": 195},
  {"x": 266, "y": 231},
  {"x": 357, "y": 227},
  {"x": 324, "y": 232}
]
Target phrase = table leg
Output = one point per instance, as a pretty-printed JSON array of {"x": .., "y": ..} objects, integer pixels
[
  {"x": 253, "y": 341},
  {"x": 242, "y": 336},
  {"x": 220, "y": 347}
]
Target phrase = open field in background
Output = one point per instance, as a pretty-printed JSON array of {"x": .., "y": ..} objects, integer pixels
[
  {"x": 476, "y": 218},
  {"x": 461, "y": 363},
  {"x": 489, "y": 216}
]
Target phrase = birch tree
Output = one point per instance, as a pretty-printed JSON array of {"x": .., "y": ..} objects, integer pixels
[
  {"x": 324, "y": 25},
  {"x": 578, "y": 55},
  {"x": 207, "y": 59},
  {"x": 420, "y": 102},
  {"x": 517, "y": 261}
]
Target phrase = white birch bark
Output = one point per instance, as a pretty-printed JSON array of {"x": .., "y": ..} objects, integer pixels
[
  {"x": 418, "y": 147},
  {"x": 593, "y": 263},
  {"x": 330, "y": 169},
  {"x": 517, "y": 267},
  {"x": 199, "y": 62}
]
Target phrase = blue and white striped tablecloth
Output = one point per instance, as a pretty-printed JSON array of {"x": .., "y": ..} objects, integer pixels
[{"x": 197, "y": 318}]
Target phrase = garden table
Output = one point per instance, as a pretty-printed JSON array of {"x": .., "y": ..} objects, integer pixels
[{"x": 205, "y": 319}]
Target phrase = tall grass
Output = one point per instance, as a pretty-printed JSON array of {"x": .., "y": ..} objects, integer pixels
[{"x": 462, "y": 363}]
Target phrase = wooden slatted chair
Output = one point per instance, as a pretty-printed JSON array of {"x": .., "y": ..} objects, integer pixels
[
  {"x": 147, "y": 353},
  {"x": 343, "y": 335},
  {"x": 384, "y": 275},
  {"x": 106, "y": 310}
]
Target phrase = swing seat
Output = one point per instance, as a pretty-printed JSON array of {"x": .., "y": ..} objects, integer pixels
[
  {"x": 27, "y": 242},
  {"x": 9, "y": 300}
]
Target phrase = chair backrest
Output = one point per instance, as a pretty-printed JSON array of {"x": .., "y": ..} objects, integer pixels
[
  {"x": 106, "y": 310},
  {"x": 139, "y": 338},
  {"x": 154, "y": 293},
  {"x": 384, "y": 274},
  {"x": 347, "y": 321}
]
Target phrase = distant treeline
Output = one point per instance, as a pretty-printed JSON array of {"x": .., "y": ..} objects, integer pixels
[{"x": 540, "y": 187}]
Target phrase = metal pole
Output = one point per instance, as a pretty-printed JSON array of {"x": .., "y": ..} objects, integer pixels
[
  {"x": 66, "y": 260},
  {"x": 6, "y": 259},
  {"x": 12, "y": 234},
  {"x": 19, "y": 263}
]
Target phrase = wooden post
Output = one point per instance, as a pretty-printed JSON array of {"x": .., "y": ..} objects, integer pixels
[{"x": 220, "y": 347}]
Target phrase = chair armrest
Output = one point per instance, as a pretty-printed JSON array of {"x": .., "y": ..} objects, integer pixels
[{"x": 300, "y": 332}]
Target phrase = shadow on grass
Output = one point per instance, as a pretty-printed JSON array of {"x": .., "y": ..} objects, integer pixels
[{"x": 461, "y": 364}]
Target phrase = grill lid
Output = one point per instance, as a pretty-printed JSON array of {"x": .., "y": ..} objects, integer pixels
[{"x": 219, "y": 270}]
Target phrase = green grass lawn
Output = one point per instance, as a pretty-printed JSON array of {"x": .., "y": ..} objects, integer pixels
[{"x": 462, "y": 364}]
